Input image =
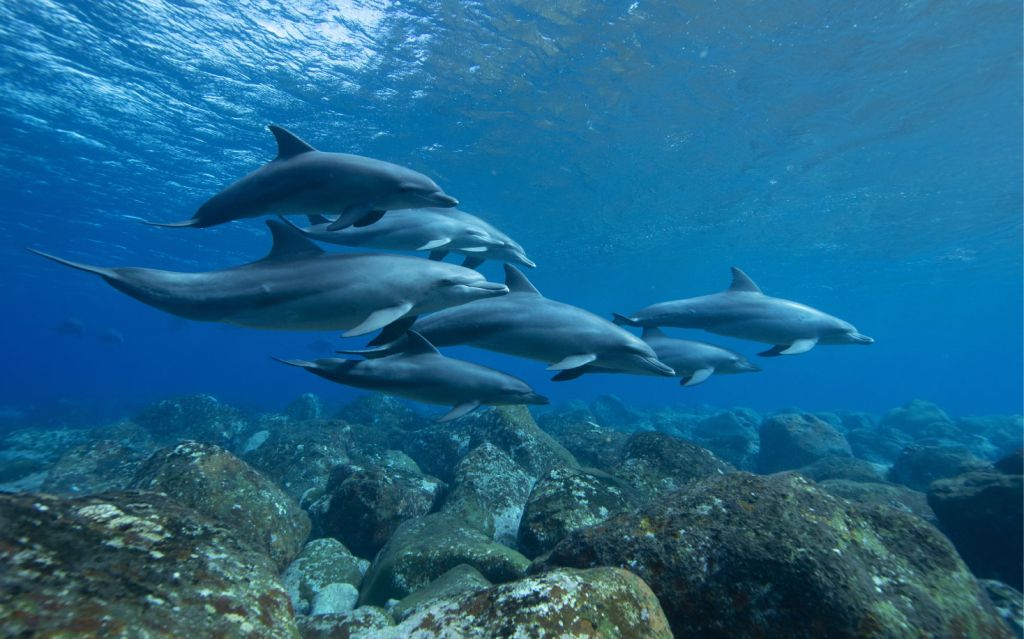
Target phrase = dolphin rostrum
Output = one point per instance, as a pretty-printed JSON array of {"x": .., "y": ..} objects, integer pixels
[
  {"x": 439, "y": 231},
  {"x": 303, "y": 180},
  {"x": 419, "y": 372},
  {"x": 745, "y": 312},
  {"x": 298, "y": 286},
  {"x": 527, "y": 324},
  {"x": 693, "y": 361}
]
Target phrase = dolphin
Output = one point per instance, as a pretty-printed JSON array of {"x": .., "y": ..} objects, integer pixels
[
  {"x": 299, "y": 287},
  {"x": 745, "y": 312},
  {"x": 439, "y": 231},
  {"x": 303, "y": 180},
  {"x": 527, "y": 324},
  {"x": 693, "y": 361},
  {"x": 419, "y": 372}
]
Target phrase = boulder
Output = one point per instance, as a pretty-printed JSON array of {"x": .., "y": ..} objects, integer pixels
[
  {"x": 611, "y": 412},
  {"x": 732, "y": 435},
  {"x": 564, "y": 500},
  {"x": 792, "y": 440},
  {"x": 512, "y": 429},
  {"x": 223, "y": 487},
  {"x": 1009, "y": 603},
  {"x": 982, "y": 512},
  {"x": 882, "y": 494},
  {"x": 603, "y": 603},
  {"x": 655, "y": 463},
  {"x": 1012, "y": 464},
  {"x": 1002, "y": 431},
  {"x": 919, "y": 419},
  {"x": 363, "y": 506},
  {"x": 918, "y": 466},
  {"x": 438, "y": 448},
  {"x": 460, "y": 579},
  {"x": 304, "y": 408},
  {"x": 742, "y": 555},
  {"x": 99, "y": 466},
  {"x": 591, "y": 444},
  {"x": 876, "y": 445},
  {"x": 131, "y": 564},
  {"x": 425, "y": 548},
  {"x": 299, "y": 458},
  {"x": 195, "y": 417},
  {"x": 322, "y": 563},
  {"x": 382, "y": 412},
  {"x": 849, "y": 468},
  {"x": 365, "y": 622}
]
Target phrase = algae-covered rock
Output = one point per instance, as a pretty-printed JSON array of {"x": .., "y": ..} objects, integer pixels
[
  {"x": 1009, "y": 603},
  {"x": 491, "y": 489},
  {"x": 983, "y": 514},
  {"x": 882, "y": 494},
  {"x": 655, "y": 463},
  {"x": 512, "y": 429},
  {"x": 792, "y": 440},
  {"x": 731, "y": 435},
  {"x": 365, "y": 622},
  {"x": 612, "y": 412},
  {"x": 96, "y": 467},
  {"x": 423, "y": 549},
  {"x": 195, "y": 417},
  {"x": 918, "y": 466},
  {"x": 919, "y": 419},
  {"x": 1012, "y": 464},
  {"x": 877, "y": 445},
  {"x": 742, "y": 555},
  {"x": 381, "y": 411},
  {"x": 460, "y": 579},
  {"x": 438, "y": 448},
  {"x": 305, "y": 408},
  {"x": 363, "y": 505},
  {"x": 591, "y": 444},
  {"x": 603, "y": 603},
  {"x": 563, "y": 500},
  {"x": 131, "y": 564},
  {"x": 1004, "y": 432},
  {"x": 299, "y": 459},
  {"x": 321, "y": 563},
  {"x": 848, "y": 468},
  {"x": 221, "y": 486}
]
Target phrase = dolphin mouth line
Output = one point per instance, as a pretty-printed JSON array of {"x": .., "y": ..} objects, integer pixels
[
  {"x": 493, "y": 287},
  {"x": 862, "y": 339}
]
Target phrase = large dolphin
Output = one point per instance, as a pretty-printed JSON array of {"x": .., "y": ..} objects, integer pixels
[
  {"x": 693, "y": 361},
  {"x": 419, "y": 372},
  {"x": 303, "y": 180},
  {"x": 745, "y": 312},
  {"x": 299, "y": 287},
  {"x": 527, "y": 324},
  {"x": 439, "y": 231}
]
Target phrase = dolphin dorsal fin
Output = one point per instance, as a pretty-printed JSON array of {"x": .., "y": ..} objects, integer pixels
[
  {"x": 517, "y": 282},
  {"x": 288, "y": 144},
  {"x": 289, "y": 242},
  {"x": 741, "y": 282},
  {"x": 652, "y": 331},
  {"x": 416, "y": 344}
]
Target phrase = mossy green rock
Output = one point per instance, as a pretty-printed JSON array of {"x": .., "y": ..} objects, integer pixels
[
  {"x": 882, "y": 494},
  {"x": 131, "y": 564},
  {"x": 299, "y": 458},
  {"x": 603, "y": 603},
  {"x": 365, "y": 622},
  {"x": 425, "y": 548},
  {"x": 848, "y": 468},
  {"x": 321, "y": 563},
  {"x": 199, "y": 417},
  {"x": 100, "y": 466},
  {"x": 221, "y": 486},
  {"x": 656, "y": 463},
  {"x": 460, "y": 579},
  {"x": 742, "y": 555},
  {"x": 491, "y": 490},
  {"x": 512, "y": 429},
  {"x": 793, "y": 440}
]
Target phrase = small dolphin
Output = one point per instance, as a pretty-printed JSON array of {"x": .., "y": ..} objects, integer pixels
[
  {"x": 693, "y": 361},
  {"x": 299, "y": 287},
  {"x": 71, "y": 326},
  {"x": 745, "y": 312},
  {"x": 110, "y": 336},
  {"x": 419, "y": 372},
  {"x": 527, "y": 324},
  {"x": 303, "y": 180},
  {"x": 439, "y": 231}
]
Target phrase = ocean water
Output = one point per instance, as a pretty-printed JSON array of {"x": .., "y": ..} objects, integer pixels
[{"x": 863, "y": 158}]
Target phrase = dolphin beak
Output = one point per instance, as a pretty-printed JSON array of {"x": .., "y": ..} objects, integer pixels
[
  {"x": 749, "y": 367},
  {"x": 534, "y": 398},
  {"x": 525, "y": 260},
  {"x": 443, "y": 200},
  {"x": 857, "y": 338},
  {"x": 658, "y": 367}
]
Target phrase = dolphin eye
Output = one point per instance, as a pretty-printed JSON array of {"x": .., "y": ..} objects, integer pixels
[{"x": 446, "y": 282}]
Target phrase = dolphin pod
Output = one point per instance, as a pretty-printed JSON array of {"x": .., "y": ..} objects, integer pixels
[
  {"x": 745, "y": 312},
  {"x": 439, "y": 231},
  {"x": 527, "y": 324},
  {"x": 299, "y": 287},
  {"x": 303, "y": 180},
  {"x": 417, "y": 371}
]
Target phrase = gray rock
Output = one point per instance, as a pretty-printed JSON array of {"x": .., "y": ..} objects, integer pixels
[
  {"x": 491, "y": 489},
  {"x": 1009, "y": 603},
  {"x": 460, "y": 579},
  {"x": 611, "y": 412},
  {"x": 333, "y": 599},
  {"x": 379, "y": 411},
  {"x": 195, "y": 417},
  {"x": 655, "y": 463},
  {"x": 512, "y": 429},
  {"x": 792, "y": 440},
  {"x": 849, "y": 468},
  {"x": 918, "y": 466},
  {"x": 919, "y": 419},
  {"x": 731, "y": 435},
  {"x": 299, "y": 458},
  {"x": 365, "y": 622},
  {"x": 321, "y": 563},
  {"x": 882, "y": 494},
  {"x": 304, "y": 408},
  {"x": 592, "y": 444},
  {"x": 96, "y": 467}
]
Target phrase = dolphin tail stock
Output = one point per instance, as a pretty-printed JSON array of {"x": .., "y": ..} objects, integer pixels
[
  {"x": 96, "y": 270},
  {"x": 622, "y": 320},
  {"x": 394, "y": 331}
]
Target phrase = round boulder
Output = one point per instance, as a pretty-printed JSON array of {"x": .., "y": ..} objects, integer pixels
[{"x": 792, "y": 440}]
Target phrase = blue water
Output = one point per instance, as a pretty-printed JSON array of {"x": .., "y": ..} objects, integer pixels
[{"x": 863, "y": 158}]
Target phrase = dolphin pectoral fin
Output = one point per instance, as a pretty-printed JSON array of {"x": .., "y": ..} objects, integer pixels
[
  {"x": 393, "y": 332},
  {"x": 350, "y": 216},
  {"x": 797, "y": 347},
  {"x": 300, "y": 363},
  {"x": 458, "y": 411},
  {"x": 622, "y": 320},
  {"x": 370, "y": 218},
  {"x": 173, "y": 225},
  {"x": 698, "y": 377},
  {"x": 570, "y": 374},
  {"x": 434, "y": 244},
  {"x": 474, "y": 249},
  {"x": 379, "y": 319},
  {"x": 473, "y": 261},
  {"x": 774, "y": 351},
  {"x": 437, "y": 256},
  {"x": 318, "y": 219},
  {"x": 572, "y": 361}
]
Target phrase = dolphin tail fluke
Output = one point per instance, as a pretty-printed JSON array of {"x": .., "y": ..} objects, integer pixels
[
  {"x": 300, "y": 363},
  {"x": 189, "y": 223},
  {"x": 96, "y": 270},
  {"x": 394, "y": 331},
  {"x": 622, "y": 320}
]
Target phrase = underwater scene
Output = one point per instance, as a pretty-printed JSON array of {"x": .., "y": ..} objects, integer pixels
[{"x": 437, "y": 319}]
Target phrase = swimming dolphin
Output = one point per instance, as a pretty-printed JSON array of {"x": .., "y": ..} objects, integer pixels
[
  {"x": 527, "y": 324},
  {"x": 299, "y": 287},
  {"x": 303, "y": 180},
  {"x": 439, "y": 231},
  {"x": 693, "y": 361},
  {"x": 419, "y": 372},
  {"x": 745, "y": 312}
]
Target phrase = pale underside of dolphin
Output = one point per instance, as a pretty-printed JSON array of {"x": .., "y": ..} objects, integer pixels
[
  {"x": 419, "y": 372},
  {"x": 743, "y": 311},
  {"x": 298, "y": 286},
  {"x": 530, "y": 325},
  {"x": 439, "y": 231},
  {"x": 694, "y": 362},
  {"x": 357, "y": 189}
]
